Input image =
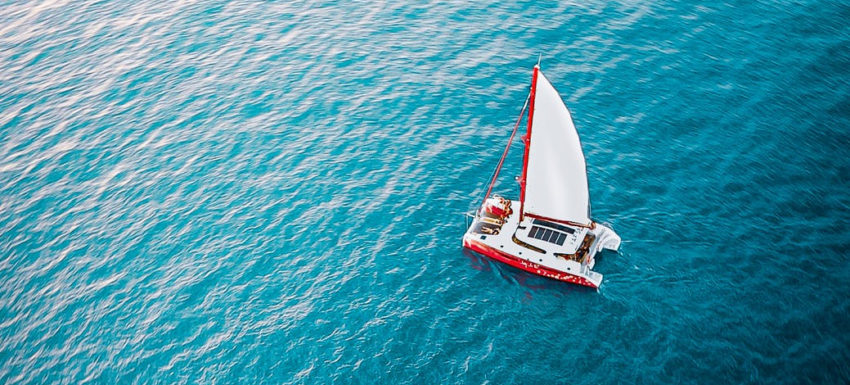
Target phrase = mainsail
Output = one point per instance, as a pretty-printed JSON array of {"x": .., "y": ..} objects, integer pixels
[{"x": 554, "y": 184}]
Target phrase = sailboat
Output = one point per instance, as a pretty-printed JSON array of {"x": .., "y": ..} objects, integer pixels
[{"x": 548, "y": 231}]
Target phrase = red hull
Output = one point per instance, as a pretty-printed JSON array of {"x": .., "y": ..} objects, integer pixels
[{"x": 522, "y": 264}]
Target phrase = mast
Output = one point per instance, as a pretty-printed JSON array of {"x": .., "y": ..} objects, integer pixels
[{"x": 526, "y": 139}]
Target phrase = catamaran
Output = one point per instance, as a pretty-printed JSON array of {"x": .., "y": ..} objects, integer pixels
[{"x": 548, "y": 231}]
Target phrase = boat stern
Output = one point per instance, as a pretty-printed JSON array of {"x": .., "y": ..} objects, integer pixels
[{"x": 606, "y": 238}]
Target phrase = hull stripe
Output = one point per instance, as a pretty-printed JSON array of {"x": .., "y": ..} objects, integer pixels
[{"x": 528, "y": 266}]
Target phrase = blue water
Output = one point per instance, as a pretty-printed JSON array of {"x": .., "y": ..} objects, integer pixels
[{"x": 263, "y": 193}]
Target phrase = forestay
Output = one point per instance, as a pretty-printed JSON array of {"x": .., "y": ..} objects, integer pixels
[{"x": 556, "y": 175}]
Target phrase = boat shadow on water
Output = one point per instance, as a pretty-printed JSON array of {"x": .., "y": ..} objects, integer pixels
[{"x": 525, "y": 279}]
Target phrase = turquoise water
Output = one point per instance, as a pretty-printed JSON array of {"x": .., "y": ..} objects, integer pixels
[{"x": 263, "y": 193}]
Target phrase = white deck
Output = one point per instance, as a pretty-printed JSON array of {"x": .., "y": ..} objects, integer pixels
[{"x": 503, "y": 241}]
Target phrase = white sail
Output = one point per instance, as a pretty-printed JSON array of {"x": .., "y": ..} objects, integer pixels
[{"x": 556, "y": 175}]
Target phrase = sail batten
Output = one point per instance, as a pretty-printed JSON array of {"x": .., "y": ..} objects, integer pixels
[{"x": 554, "y": 182}]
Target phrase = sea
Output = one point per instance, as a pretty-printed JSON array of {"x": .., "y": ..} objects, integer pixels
[{"x": 261, "y": 192}]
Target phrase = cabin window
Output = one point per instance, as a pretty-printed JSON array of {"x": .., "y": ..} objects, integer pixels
[{"x": 547, "y": 235}]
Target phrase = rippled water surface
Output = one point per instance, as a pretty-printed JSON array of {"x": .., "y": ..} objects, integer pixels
[{"x": 266, "y": 193}]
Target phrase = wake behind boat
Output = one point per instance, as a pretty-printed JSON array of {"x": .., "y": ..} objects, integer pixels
[{"x": 548, "y": 231}]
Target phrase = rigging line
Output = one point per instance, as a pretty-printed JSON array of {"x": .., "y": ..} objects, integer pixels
[{"x": 504, "y": 154}]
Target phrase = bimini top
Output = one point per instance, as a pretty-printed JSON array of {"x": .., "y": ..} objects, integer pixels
[{"x": 555, "y": 175}]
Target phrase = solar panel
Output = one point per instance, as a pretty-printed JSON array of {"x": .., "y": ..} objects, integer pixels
[
  {"x": 553, "y": 226},
  {"x": 547, "y": 235}
]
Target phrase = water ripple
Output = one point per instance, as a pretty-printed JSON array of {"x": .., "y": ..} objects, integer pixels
[{"x": 244, "y": 192}]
